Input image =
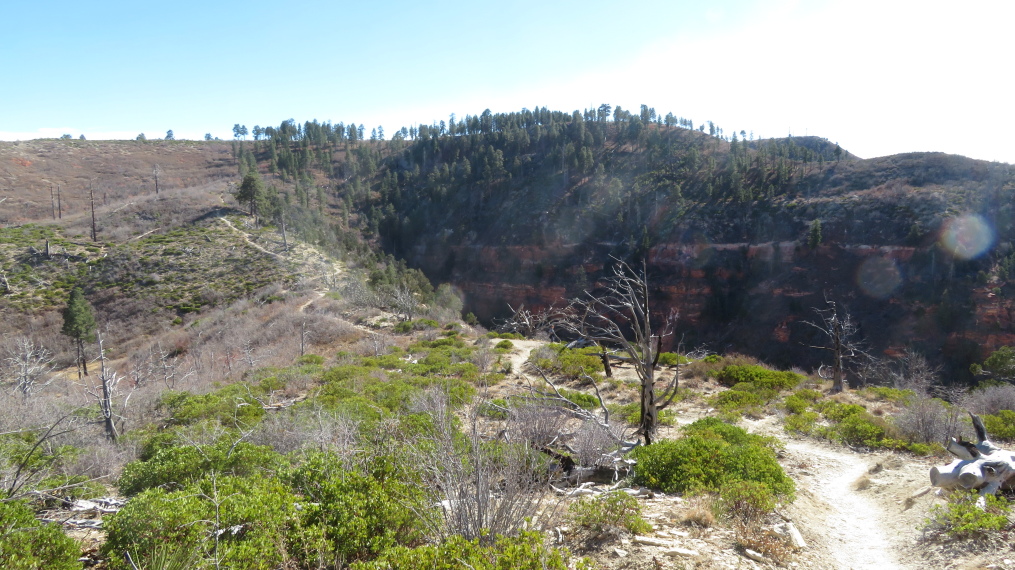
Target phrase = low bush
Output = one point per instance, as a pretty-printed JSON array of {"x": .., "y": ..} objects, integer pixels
[
  {"x": 808, "y": 395},
  {"x": 27, "y": 544},
  {"x": 737, "y": 402},
  {"x": 630, "y": 413},
  {"x": 358, "y": 515},
  {"x": 236, "y": 522},
  {"x": 613, "y": 510},
  {"x": 526, "y": 551},
  {"x": 711, "y": 455},
  {"x": 962, "y": 519},
  {"x": 232, "y": 405},
  {"x": 581, "y": 399},
  {"x": 504, "y": 345},
  {"x": 746, "y": 500},
  {"x": 495, "y": 409},
  {"x": 886, "y": 394},
  {"x": 836, "y": 412},
  {"x": 672, "y": 359},
  {"x": 759, "y": 376},
  {"x": 795, "y": 404},
  {"x": 1000, "y": 426},
  {"x": 569, "y": 363},
  {"x": 802, "y": 423},
  {"x": 176, "y": 467}
]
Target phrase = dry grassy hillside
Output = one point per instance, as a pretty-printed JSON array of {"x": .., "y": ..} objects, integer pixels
[{"x": 115, "y": 169}]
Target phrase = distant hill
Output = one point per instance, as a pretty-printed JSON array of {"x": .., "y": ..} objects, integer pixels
[{"x": 743, "y": 238}]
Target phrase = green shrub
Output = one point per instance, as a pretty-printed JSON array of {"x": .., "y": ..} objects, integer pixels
[
  {"x": 631, "y": 413},
  {"x": 615, "y": 509},
  {"x": 962, "y": 519},
  {"x": 358, "y": 515},
  {"x": 796, "y": 405},
  {"x": 494, "y": 409},
  {"x": 504, "y": 345},
  {"x": 27, "y": 544},
  {"x": 712, "y": 359},
  {"x": 572, "y": 364},
  {"x": 760, "y": 376},
  {"x": 886, "y": 394},
  {"x": 176, "y": 467},
  {"x": 736, "y": 401},
  {"x": 1000, "y": 426},
  {"x": 807, "y": 394},
  {"x": 230, "y": 405},
  {"x": 801, "y": 423},
  {"x": 580, "y": 399},
  {"x": 252, "y": 517},
  {"x": 526, "y": 551},
  {"x": 310, "y": 359},
  {"x": 746, "y": 500},
  {"x": 672, "y": 359},
  {"x": 863, "y": 429},
  {"x": 710, "y": 455},
  {"x": 836, "y": 412}
]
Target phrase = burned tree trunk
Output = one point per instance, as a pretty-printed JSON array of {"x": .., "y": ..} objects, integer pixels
[{"x": 982, "y": 465}]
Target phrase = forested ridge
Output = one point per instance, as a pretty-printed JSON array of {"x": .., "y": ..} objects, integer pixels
[{"x": 539, "y": 199}]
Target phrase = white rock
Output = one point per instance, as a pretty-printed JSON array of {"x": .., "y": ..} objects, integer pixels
[
  {"x": 652, "y": 541},
  {"x": 620, "y": 553},
  {"x": 755, "y": 556},
  {"x": 677, "y": 551}
]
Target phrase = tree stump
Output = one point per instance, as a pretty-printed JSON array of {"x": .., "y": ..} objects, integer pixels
[{"x": 982, "y": 465}]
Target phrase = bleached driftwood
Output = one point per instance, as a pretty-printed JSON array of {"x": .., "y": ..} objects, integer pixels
[{"x": 982, "y": 465}]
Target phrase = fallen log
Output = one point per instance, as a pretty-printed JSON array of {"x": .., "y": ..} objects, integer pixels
[{"x": 982, "y": 466}]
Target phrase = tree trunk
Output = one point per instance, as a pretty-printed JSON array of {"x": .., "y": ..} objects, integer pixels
[
  {"x": 81, "y": 357},
  {"x": 649, "y": 411}
]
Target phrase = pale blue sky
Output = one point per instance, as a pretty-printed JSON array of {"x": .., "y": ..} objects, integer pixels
[{"x": 877, "y": 76}]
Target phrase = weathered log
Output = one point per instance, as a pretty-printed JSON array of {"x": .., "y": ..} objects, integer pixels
[{"x": 982, "y": 465}]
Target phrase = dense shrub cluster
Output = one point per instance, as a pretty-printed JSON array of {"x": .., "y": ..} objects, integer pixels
[
  {"x": 613, "y": 510},
  {"x": 711, "y": 455},
  {"x": 572, "y": 364},
  {"x": 524, "y": 552},
  {"x": 27, "y": 544},
  {"x": 853, "y": 425},
  {"x": 758, "y": 376}
]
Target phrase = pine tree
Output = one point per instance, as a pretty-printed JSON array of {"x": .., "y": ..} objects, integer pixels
[
  {"x": 79, "y": 324},
  {"x": 814, "y": 237}
]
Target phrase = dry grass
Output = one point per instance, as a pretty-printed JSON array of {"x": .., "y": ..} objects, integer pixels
[
  {"x": 700, "y": 513},
  {"x": 862, "y": 483},
  {"x": 754, "y": 536}
]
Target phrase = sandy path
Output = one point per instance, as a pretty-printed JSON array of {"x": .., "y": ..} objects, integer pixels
[{"x": 853, "y": 528}]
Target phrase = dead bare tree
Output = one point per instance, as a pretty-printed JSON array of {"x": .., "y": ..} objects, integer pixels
[
  {"x": 106, "y": 393},
  {"x": 478, "y": 490},
  {"x": 28, "y": 365},
  {"x": 619, "y": 315},
  {"x": 840, "y": 332},
  {"x": 156, "y": 171},
  {"x": 590, "y": 452},
  {"x": 528, "y": 323}
]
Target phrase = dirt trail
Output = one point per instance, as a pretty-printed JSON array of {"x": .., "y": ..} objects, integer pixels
[
  {"x": 849, "y": 525},
  {"x": 246, "y": 237},
  {"x": 853, "y": 529}
]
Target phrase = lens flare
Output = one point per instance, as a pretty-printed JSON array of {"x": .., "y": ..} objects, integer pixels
[
  {"x": 967, "y": 237},
  {"x": 878, "y": 277}
]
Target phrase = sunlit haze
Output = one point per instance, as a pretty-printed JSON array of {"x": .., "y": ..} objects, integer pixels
[{"x": 877, "y": 77}]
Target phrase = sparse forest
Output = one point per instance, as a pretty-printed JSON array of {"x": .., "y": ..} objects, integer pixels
[{"x": 537, "y": 339}]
